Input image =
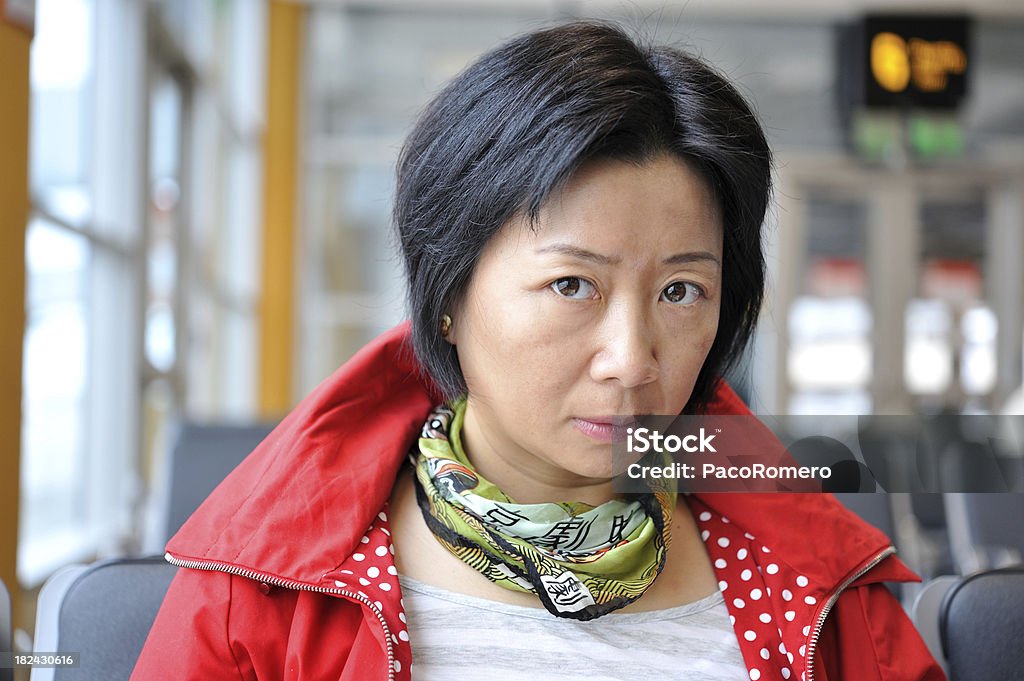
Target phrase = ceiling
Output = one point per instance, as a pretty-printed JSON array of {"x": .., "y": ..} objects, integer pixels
[{"x": 788, "y": 9}]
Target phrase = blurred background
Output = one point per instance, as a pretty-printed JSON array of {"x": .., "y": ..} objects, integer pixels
[{"x": 205, "y": 235}]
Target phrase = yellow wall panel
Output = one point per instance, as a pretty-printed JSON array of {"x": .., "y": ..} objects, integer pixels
[
  {"x": 280, "y": 183},
  {"x": 14, "y": 207}
]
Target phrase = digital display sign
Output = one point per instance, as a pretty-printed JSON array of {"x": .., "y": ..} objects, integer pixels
[{"x": 906, "y": 61}]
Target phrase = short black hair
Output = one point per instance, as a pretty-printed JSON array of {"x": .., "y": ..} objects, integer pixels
[{"x": 515, "y": 125}]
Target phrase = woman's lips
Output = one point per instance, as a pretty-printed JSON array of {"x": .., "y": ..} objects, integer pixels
[{"x": 606, "y": 430}]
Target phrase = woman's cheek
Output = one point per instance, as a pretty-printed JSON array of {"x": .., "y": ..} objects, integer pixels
[
  {"x": 707, "y": 329},
  {"x": 708, "y": 340}
]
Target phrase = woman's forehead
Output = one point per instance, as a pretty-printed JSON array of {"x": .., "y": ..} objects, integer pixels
[{"x": 625, "y": 204}]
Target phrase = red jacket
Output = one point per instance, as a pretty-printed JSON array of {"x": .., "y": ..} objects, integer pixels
[{"x": 292, "y": 573}]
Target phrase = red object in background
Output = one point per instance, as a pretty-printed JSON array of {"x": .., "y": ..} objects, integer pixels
[
  {"x": 835, "y": 277},
  {"x": 956, "y": 280}
]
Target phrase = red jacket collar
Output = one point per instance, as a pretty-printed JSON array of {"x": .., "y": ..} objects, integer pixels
[{"x": 299, "y": 505}]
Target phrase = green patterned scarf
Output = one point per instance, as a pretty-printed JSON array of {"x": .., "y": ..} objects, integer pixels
[{"x": 581, "y": 561}]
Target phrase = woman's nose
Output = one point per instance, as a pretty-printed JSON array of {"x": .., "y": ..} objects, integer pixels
[{"x": 627, "y": 353}]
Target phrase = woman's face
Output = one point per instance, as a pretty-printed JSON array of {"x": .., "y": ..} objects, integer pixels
[{"x": 606, "y": 310}]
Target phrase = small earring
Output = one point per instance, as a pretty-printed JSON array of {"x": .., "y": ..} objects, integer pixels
[{"x": 446, "y": 325}]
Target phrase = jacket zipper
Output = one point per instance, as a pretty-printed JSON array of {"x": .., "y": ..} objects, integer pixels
[
  {"x": 812, "y": 646},
  {"x": 295, "y": 586}
]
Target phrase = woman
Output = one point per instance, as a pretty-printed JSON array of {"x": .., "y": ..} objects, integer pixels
[{"x": 581, "y": 224}]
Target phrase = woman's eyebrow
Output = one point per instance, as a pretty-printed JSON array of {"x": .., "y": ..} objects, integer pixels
[
  {"x": 696, "y": 256},
  {"x": 584, "y": 254},
  {"x": 580, "y": 253}
]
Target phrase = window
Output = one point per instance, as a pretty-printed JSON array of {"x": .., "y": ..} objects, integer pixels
[
  {"x": 830, "y": 354},
  {"x": 142, "y": 274},
  {"x": 59, "y": 255},
  {"x": 55, "y": 375},
  {"x": 950, "y": 352}
]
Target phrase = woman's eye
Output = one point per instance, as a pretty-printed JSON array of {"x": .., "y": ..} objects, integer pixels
[
  {"x": 682, "y": 293},
  {"x": 573, "y": 287}
]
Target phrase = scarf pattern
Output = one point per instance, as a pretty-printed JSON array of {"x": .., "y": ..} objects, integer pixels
[{"x": 580, "y": 560}]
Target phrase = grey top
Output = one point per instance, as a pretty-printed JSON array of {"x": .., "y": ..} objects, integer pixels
[{"x": 463, "y": 638}]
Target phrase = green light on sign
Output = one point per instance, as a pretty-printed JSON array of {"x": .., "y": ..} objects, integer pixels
[
  {"x": 876, "y": 137},
  {"x": 934, "y": 138}
]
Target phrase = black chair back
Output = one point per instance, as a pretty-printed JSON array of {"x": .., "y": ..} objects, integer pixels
[
  {"x": 981, "y": 624},
  {"x": 103, "y": 611},
  {"x": 201, "y": 457}
]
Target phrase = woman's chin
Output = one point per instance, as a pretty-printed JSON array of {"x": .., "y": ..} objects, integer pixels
[{"x": 592, "y": 471}]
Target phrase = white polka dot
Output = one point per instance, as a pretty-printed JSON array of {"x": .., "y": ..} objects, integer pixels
[
  {"x": 732, "y": 620},
  {"x": 786, "y": 672},
  {"x": 801, "y": 581},
  {"x": 749, "y": 635},
  {"x": 358, "y": 557},
  {"x": 766, "y": 618},
  {"x": 383, "y": 516},
  {"x": 772, "y": 568},
  {"x": 738, "y": 602},
  {"x": 704, "y": 535},
  {"x": 755, "y": 674},
  {"x": 372, "y": 571},
  {"x": 364, "y": 540},
  {"x": 380, "y": 606},
  {"x": 748, "y": 536},
  {"x": 807, "y": 630},
  {"x": 723, "y": 542},
  {"x": 790, "y": 615},
  {"x": 391, "y": 549},
  {"x": 384, "y": 586},
  {"x": 385, "y": 532},
  {"x": 346, "y": 572},
  {"x": 398, "y": 666},
  {"x": 765, "y": 549},
  {"x": 755, "y": 595},
  {"x": 705, "y": 516},
  {"x": 340, "y": 584},
  {"x": 790, "y": 656},
  {"x": 803, "y": 649},
  {"x": 722, "y": 586},
  {"x": 725, "y": 520},
  {"x": 394, "y": 639},
  {"x": 381, "y": 550},
  {"x": 746, "y": 575},
  {"x": 720, "y": 563},
  {"x": 364, "y": 581},
  {"x": 404, "y": 635},
  {"x": 787, "y": 595},
  {"x": 765, "y": 654},
  {"x": 392, "y": 570},
  {"x": 769, "y": 590},
  {"x": 810, "y": 600},
  {"x": 741, "y": 554},
  {"x": 782, "y": 646},
  {"x": 401, "y": 616}
]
